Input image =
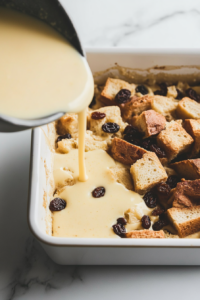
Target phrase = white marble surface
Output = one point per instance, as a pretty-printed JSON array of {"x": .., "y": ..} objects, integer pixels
[{"x": 25, "y": 270}]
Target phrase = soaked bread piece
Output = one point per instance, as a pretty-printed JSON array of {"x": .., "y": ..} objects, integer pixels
[
  {"x": 185, "y": 220},
  {"x": 188, "y": 169},
  {"x": 193, "y": 128},
  {"x": 125, "y": 152},
  {"x": 188, "y": 109},
  {"x": 147, "y": 172},
  {"x": 150, "y": 123},
  {"x": 112, "y": 87},
  {"x": 121, "y": 174},
  {"x": 165, "y": 106},
  {"x": 145, "y": 234},
  {"x": 174, "y": 140}
]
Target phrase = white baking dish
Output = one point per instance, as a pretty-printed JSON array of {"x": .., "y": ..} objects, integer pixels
[{"x": 86, "y": 251}]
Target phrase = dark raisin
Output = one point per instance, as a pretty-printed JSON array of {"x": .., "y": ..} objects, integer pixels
[
  {"x": 163, "y": 86},
  {"x": 172, "y": 181},
  {"x": 157, "y": 212},
  {"x": 97, "y": 115},
  {"x": 179, "y": 94},
  {"x": 163, "y": 189},
  {"x": 123, "y": 96},
  {"x": 163, "y": 218},
  {"x": 160, "y": 93},
  {"x": 150, "y": 199},
  {"x": 121, "y": 221},
  {"x": 146, "y": 143},
  {"x": 119, "y": 230},
  {"x": 110, "y": 127},
  {"x": 93, "y": 102},
  {"x": 142, "y": 89},
  {"x": 133, "y": 131},
  {"x": 65, "y": 136},
  {"x": 131, "y": 139},
  {"x": 57, "y": 204},
  {"x": 98, "y": 192},
  {"x": 192, "y": 94},
  {"x": 158, "y": 151},
  {"x": 146, "y": 222},
  {"x": 159, "y": 225},
  {"x": 163, "y": 90}
]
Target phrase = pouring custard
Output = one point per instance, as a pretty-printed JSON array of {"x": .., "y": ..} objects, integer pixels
[{"x": 41, "y": 73}]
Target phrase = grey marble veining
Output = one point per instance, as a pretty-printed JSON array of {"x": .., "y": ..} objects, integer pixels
[{"x": 26, "y": 272}]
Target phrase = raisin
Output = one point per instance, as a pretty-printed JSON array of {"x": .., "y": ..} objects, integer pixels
[
  {"x": 172, "y": 181},
  {"x": 146, "y": 222},
  {"x": 158, "y": 151},
  {"x": 57, "y": 204},
  {"x": 146, "y": 143},
  {"x": 192, "y": 94},
  {"x": 179, "y": 94},
  {"x": 123, "y": 96},
  {"x": 160, "y": 93},
  {"x": 163, "y": 90},
  {"x": 157, "y": 212},
  {"x": 142, "y": 89},
  {"x": 97, "y": 115},
  {"x": 121, "y": 221},
  {"x": 159, "y": 225},
  {"x": 65, "y": 136},
  {"x": 150, "y": 199},
  {"x": 93, "y": 102},
  {"x": 131, "y": 139},
  {"x": 98, "y": 192},
  {"x": 110, "y": 127},
  {"x": 130, "y": 130},
  {"x": 163, "y": 189},
  {"x": 119, "y": 229}
]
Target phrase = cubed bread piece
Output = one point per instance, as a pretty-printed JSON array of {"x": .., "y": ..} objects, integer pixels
[
  {"x": 92, "y": 142},
  {"x": 193, "y": 128},
  {"x": 188, "y": 109},
  {"x": 145, "y": 234},
  {"x": 185, "y": 220},
  {"x": 135, "y": 107},
  {"x": 112, "y": 87},
  {"x": 188, "y": 169},
  {"x": 150, "y": 122},
  {"x": 122, "y": 175},
  {"x": 171, "y": 91},
  {"x": 113, "y": 115},
  {"x": 125, "y": 152},
  {"x": 174, "y": 140},
  {"x": 147, "y": 172},
  {"x": 67, "y": 124},
  {"x": 186, "y": 194},
  {"x": 165, "y": 106}
]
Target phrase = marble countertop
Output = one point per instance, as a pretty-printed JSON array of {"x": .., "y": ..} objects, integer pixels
[{"x": 25, "y": 270}]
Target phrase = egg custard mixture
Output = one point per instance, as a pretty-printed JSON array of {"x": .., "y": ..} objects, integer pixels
[{"x": 143, "y": 172}]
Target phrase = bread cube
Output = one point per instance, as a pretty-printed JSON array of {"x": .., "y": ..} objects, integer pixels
[
  {"x": 67, "y": 124},
  {"x": 121, "y": 174},
  {"x": 188, "y": 169},
  {"x": 136, "y": 106},
  {"x": 186, "y": 194},
  {"x": 113, "y": 114},
  {"x": 145, "y": 234},
  {"x": 174, "y": 140},
  {"x": 188, "y": 109},
  {"x": 147, "y": 172},
  {"x": 185, "y": 220},
  {"x": 125, "y": 152},
  {"x": 150, "y": 123},
  {"x": 165, "y": 106},
  {"x": 112, "y": 87},
  {"x": 92, "y": 142},
  {"x": 193, "y": 128},
  {"x": 171, "y": 91}
]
